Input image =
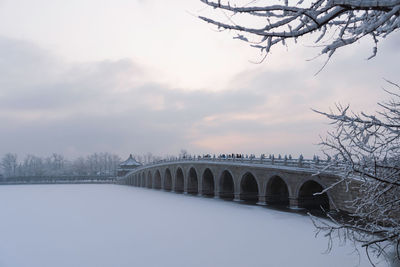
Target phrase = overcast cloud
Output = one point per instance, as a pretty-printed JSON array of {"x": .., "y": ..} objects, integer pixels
[{"x": 50, "y": 103}]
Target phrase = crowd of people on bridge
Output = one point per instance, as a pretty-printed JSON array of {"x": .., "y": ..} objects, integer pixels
[
  {"x": 231, "y": 156},
  {"x": 243, "y": 156}
]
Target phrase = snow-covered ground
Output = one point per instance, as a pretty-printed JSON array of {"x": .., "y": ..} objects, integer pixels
[{"x": 118, "y": 226}]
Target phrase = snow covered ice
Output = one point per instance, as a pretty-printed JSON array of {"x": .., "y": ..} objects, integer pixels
[{"x": 121, "y": 226}]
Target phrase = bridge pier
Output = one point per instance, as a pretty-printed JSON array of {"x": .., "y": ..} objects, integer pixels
[
  {"x": 262, "y": 201},
  {"x": 294, "y": 203},
  {"x": 237, "y": 197}
]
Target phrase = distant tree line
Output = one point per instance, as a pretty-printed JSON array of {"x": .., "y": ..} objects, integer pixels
[
  {"x": 148, "y": 158},
  {"x": 102, "y": 164}
]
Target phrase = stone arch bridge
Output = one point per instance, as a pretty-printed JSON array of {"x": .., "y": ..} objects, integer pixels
[{"x": 290, "y": 183}]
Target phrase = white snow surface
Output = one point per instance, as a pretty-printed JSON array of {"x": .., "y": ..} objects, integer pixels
[{"x": 118, "y": 226}]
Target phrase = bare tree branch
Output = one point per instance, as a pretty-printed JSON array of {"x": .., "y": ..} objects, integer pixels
[
  {"x": 350, "y": 19},
  {"x": 366, "y": 149}
]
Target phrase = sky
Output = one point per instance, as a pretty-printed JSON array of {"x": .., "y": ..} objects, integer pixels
[{"x": 139, "y": 76}]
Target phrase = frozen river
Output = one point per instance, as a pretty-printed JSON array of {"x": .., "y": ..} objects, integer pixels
[{"x": 121, "y": 226}]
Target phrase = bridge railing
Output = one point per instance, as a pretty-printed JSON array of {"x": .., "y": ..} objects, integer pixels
[{"x": 315, "y": 164}]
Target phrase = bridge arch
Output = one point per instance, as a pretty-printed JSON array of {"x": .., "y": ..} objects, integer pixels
[
  {"x": 249, "y": 188},
  {"x": 192, "y": 182},
  {"x": 167, "y": 180},
  {"x": 149, "y": 182},
  {"x": 277, "y": 191},
  {"x": 226, "y": 185},
  {"x": 143, "y": 184},
  {"x": 157, "y": 180},
  {"x": 307, "y": 198},
  {"x": 179, "y": 181},
  {"x": 208, "y": 182}
]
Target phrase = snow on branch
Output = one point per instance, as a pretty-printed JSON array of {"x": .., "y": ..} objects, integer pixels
[
  {"x": 367, "y": 148},
  {"x": 349, "y": 20}
]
